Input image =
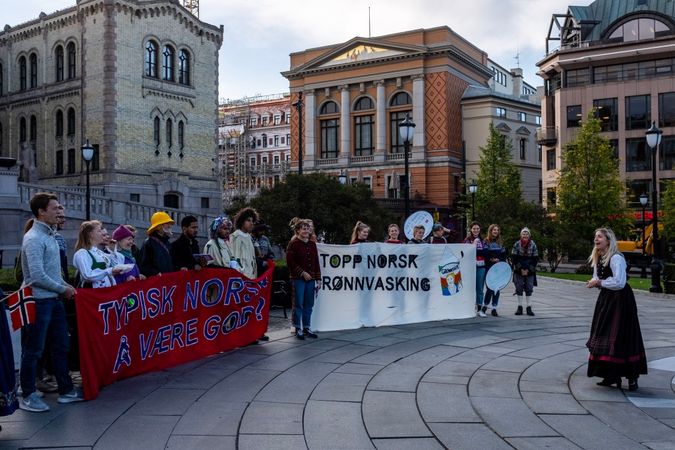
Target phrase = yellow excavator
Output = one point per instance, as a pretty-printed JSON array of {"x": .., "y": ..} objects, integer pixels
[{"x": 639, "y": 251}]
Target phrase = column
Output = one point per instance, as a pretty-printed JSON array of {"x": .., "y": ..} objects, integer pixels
[
  {"x": 345, "y": 124},
  {"x": 309, "y": 128},
  {"x": 418, "y": 110},
  {"x": 380, "y": 118}
]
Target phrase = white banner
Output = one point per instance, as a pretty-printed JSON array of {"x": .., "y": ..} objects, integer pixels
[{"x": 378, "y": 284}]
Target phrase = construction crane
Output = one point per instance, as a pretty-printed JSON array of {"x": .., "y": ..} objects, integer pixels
[{"x": 192, "y": 6}]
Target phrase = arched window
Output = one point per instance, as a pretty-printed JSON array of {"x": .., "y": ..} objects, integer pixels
[
  {"x": 22, "y": 130},
  {"x": 151, "y": 59},
  {"x": 169, "y": 132},
  {"x": 363, "y": 128},
  {"x": 58, "y": 55},
  {"x": 155, "y": 133},
  {"x": 22, "y": 73},
  {"x": 71, "y": 121},
  {"x": 402, "y": 98},
  {"x": 184, "y": 67},
  {"x": 363, "y": 104},
  {"x": 58, "y": 125},
  {"x": 181, "y": 135},
  {"x": 33, "y": 129},
  {"x": 329, "y": 129},
  {"x": 71, "y": 60},
  {"x": 33, "y": 70},
  {"x": 639, "y": 29},
  {"x": 168, "y": 56}
]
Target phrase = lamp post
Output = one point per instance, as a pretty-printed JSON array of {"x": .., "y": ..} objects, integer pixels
[
  {"x": 88, "y": 155},
  {"x": 298, "y": 106},
  {"x": 406, "y": 129},
  {"x": 653, "y": 136},
  {"x": 643, "y": 201},
  {"x": 342, "y": 178},
  {"x": 473, "y": 187}
]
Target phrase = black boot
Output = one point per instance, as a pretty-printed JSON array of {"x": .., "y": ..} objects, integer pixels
[
  {"x": 608, "y": 382},
  {"x": 632, "y": 384},
  {"x": 519, "y": 310},
  {"x": 529, "y": 311}
]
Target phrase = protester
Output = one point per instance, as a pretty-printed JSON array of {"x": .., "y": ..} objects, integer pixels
[
  {"x": 524, "y": 256},
  {"x": 107, "y": 245},
  {"x": 393, "y": 232},
  {"x": 218, "y": 247},
  {"x": 63, "y": 255},
  {"x": 437, "y": 231},
  {"x": 360, "y": 233},
  {"x": 474, "y": 239},
  {"x": 8, "y": 394},
  {"x": 135, "y": 251},
  {"x": 186, "y": 246},
  {"x": 124, "y": 239},
  {"x": 262, "y": 245},
  {"x": 242, "y": 242},
  {"x": 303, "y": 265},
  {"x": 615, "y": 344},
  {"x": 42, "y": 271},
  {"x": 418, "y": 235},
  {"x": 95, "y": 268},
  {"x": 495, "y": 253},
  {"x": 155, "y": 256}
]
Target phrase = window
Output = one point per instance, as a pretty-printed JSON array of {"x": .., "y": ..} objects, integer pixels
[
  {"x": 265, "y": 121},
  {"x": 522, "y": 116},
  {"x": 639, "y": 29},
  {"x": 22, "y": 130},
  {"x": 58, "y": 125},
  {"x": 181, "y": 134},
  {"x": 169, "y": 132},
  {"x": 58, "y": 170},
  {"x": 184, "y": 67},
  {"x": 276, "y": 140},
  {"x": 254, "y": 121},
  {"x": 573, "y": 116},
  {"x": 607, "y": 112},
  {"x": 541, "y": 191},
  {"x": 550, "y": 159},
  {"x": 71, "y": 61},
  {"x": 155, "y": 133},
  {"x": 667, "y": 109},
  {"x": 276, "y": 160},
  {"x": 33, "y": 70},
  {"x": 33, "y": 129},
  {"x": 638, "y": 155},
  {"x": 60, "y": 62},
  {"x": 578, "y": 77},
  {"x": 539, "y": 154},
  {"x": 329, "y": 108},
  {"x": 400, "y": 99},
  {"x": 638, "y": 114},
  {"x": 135, "y": 198},
  {"x": 263, "y": 160},
  {"x": 329, "y": 129},
  {"x": 667, "y": 153},
  {"x": 551, "y": 196},
  {"x": 363, "y": 127},
  {"x": 364, "y": 104},
  {"x": 499, "y": 76},
  {"x": 277, "y": 119},
  {"x": 537, "y": 120},
  {"x": 264, "y": 141},
  {"x": 71, "y": 160},
  {"x": 288, "y": 118},
  {"x": 501, "y": 112},
  {"x": 168, "y": 57},
  {"x": 395, "y": 118},
  {"x": 171, "y": 201},
  {"x": 151, "y": 59},
  {"x": 393, "y": 184},
  {"x": 259, "y": 142},
  {"x": 288, "y": 139},
  {"x": 252, "y": 161},
  {"x": 95, "y": 160},
  {"x": 283, "y": 140},
  {"x": 368, "y": 181},
  {"x": 71, "y": 122},
  {"x": 205, "y": 201},
  {"x": 523, "y": 148},
  {"x": 22, "y": 73}
]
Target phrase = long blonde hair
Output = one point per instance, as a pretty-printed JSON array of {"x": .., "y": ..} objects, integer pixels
[
  {"x": 489, "y": 234},
  {"x": 612, "y": 250},
  {"x": 357, "y": 228},
  {"x": 84, "y": 238}
]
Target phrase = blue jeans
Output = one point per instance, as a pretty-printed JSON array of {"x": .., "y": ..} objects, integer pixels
[
  {"x": 50, "y": 323},
  {"x": 304, "y": 303},
  {"x": 491, "y": 296},
  {"x": 480, "y": 284}
]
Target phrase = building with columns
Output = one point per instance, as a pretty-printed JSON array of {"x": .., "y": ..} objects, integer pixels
[
  {"x": 138, "y": 79},
  {"x": 355, "y": 94}
]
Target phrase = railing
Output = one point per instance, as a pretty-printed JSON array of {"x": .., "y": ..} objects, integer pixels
[
  {"x": 361, "y": 159},
  {"x": 326, "y": 161},
  {"x": 547, "y": 135},
  {"x": 395, "y": 156}
]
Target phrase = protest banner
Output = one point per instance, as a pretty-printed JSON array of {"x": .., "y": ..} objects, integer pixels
[
  {"x": 377, "y": 284},
  {"x": 142, "y": 326}
]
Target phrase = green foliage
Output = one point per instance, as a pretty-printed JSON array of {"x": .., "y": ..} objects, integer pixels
[
  {"x": 333, "y": 207},
  {"x": 590, "y": 192},
  {"x": 668, "y": 207}
]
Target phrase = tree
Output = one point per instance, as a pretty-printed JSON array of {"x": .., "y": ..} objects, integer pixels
[
  {"x": 590, "y": 191},
  {"x": 333, "y": 207},
  {"x": 668, "y": 207}
]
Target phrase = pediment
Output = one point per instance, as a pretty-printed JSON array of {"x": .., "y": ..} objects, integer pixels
[
  {"x": 524, "y": 131},
  {"x": 362, "y": 53},
  {"x": 503, "y": 127}
]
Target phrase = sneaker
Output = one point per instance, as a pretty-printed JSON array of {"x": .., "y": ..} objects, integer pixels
[
  {"x": 309, "y": 333},
  {"x": 73, "y": 396},
  {"x": 264, "y": 338},
  {"x": 292, "y": 329},
  {"x": 484, "y": 308},
  {"x": 481, "y": 313},
  {"x": 529, "y": 311},
  {"x": 33, "y": 403},
  {"x": 494, "y": 313},
  {"x": 298, "y": 334},
  {"x": 519, "y": 310}
]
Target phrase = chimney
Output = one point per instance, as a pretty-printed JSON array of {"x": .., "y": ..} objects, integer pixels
[{"x": 517, "y": 82}]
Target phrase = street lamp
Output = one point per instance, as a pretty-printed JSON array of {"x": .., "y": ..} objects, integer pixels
[
  {"x": 473, "y": 187},
  {"x": 653, "y": 136},
  {"x": 342, "y": 178},
  {"x": 298, "y": 106},
  {"x": 643, "y": 201},
  {"x": 406, "y": 129},
  {"x": 88, "y": 155}
]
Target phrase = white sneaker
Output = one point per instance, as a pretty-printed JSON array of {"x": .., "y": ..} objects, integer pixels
[
  {"x": 292, "y": 329},
  {"x": 73, "y": 396},
  {"x": 481, "y": 313}
]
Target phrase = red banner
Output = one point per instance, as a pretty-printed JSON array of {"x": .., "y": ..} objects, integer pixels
[{"x": 164, "y": 321}]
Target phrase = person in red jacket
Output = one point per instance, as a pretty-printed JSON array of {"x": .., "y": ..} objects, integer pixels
[{"x": 302, "y": 258}]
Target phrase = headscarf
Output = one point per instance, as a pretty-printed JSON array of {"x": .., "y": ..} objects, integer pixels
[{"x": 217, "y": 223}]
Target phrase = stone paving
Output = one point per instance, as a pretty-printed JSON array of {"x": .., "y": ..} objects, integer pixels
[{"x": 491, "y": 383}]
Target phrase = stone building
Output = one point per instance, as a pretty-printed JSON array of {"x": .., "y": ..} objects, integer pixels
[
  {"x": 617, "y": 57},
  {"x": 138, "y": 79}
]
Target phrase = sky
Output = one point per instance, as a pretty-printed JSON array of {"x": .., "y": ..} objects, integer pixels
[{"x": 260, "y": 35}]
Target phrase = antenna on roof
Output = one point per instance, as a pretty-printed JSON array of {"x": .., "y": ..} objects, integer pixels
[
  {"x": 369, "y": 21},
  {"x": 517, "y": 58}
]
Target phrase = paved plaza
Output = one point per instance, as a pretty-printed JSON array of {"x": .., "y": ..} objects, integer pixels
[{"x": 491, "y": 383}]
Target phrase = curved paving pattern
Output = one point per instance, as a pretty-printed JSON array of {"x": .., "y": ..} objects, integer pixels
[{"x": 493, "y": 383}]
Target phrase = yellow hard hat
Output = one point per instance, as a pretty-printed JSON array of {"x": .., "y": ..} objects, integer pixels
[{"x": 158, "y": 219}]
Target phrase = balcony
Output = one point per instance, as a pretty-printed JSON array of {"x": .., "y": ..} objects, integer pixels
[{"x": 547, "y": 136}]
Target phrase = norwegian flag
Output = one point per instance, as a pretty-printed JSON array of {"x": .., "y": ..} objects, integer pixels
[{"x": 21, "y": 307}]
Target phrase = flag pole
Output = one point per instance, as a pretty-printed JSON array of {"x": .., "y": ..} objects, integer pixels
[{"x": 8, "y": 296}]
